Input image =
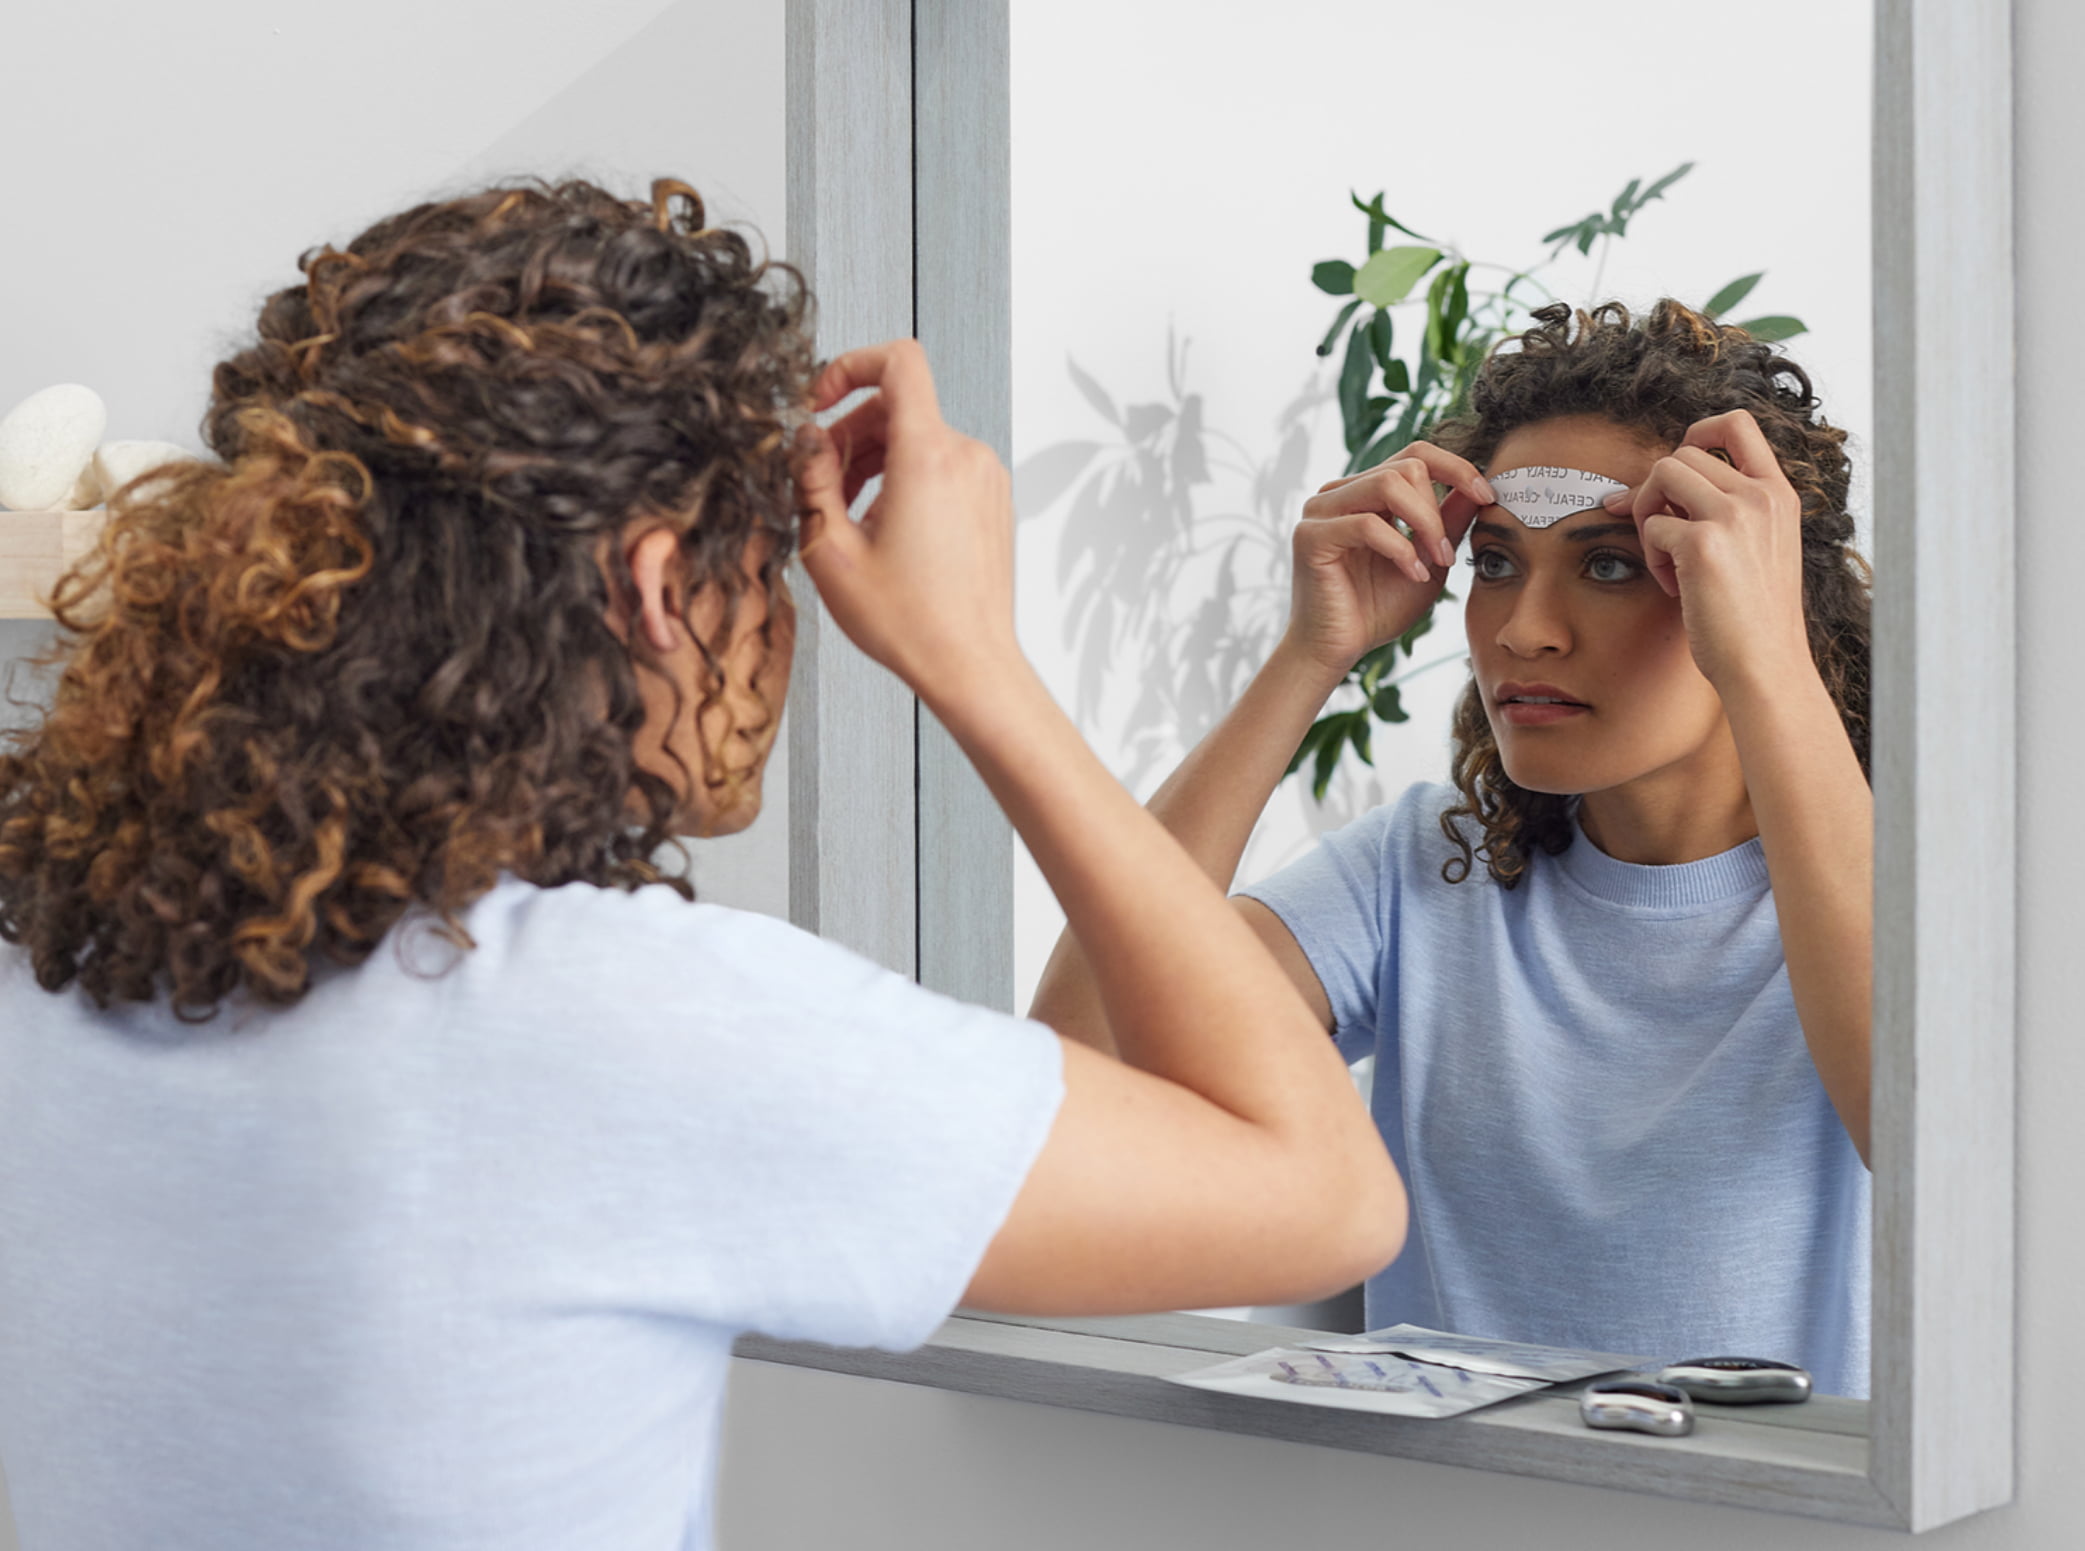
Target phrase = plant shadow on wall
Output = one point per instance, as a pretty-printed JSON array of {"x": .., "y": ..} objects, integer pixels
[
  {"x": 1162, "y": 582},
  {"x": 1182, "y": 592}
]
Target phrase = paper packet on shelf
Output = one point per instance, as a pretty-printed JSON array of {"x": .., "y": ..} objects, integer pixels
[
  {"x": 1479, "y": 1354},
  {"x": 1404, "y": 1370},
  {"x": 1359, "y": 1381}
]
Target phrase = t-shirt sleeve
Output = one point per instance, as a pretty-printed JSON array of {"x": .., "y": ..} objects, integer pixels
[
  {"x": 1339, "y": 902},
  {"x": 767, "y": 1132}
]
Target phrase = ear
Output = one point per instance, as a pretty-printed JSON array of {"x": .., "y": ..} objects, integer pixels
[{"x": 652, "y": 556}]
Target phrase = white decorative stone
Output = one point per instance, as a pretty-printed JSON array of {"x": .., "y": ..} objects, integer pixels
[
  {"x": 46, "y": 444},
  {"x": 116, "y": 464}
]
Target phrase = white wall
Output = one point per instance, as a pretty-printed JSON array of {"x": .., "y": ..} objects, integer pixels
[
  {"x": 1179, "y": 165},
  {"x": 191, "y": 153},
  {"x": 817, "y": 1459}
]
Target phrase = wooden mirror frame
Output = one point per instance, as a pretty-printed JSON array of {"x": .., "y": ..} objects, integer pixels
[{"x": 899, "y": 171}]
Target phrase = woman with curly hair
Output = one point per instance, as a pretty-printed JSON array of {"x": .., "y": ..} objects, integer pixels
[
  {"x": 390, "y": 1150},
  {"x": 1623, "y": 1066}
]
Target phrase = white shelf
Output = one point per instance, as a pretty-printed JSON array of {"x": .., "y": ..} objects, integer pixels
[{"x": 35, "y": 549}]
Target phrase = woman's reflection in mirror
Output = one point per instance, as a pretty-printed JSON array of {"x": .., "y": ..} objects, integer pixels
[{"x": 1615, "y": 973}]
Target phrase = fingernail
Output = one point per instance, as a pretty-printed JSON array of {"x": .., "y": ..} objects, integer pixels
[
  {"x": 1617, "y": 501},
  {"x": 1484, "y": 492},
  {"x": 1419, "y": 571},
  {"x": 1447, "y": 552}
]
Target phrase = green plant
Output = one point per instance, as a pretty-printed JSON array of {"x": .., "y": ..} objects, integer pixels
[{"x": 1387, "y": 401}]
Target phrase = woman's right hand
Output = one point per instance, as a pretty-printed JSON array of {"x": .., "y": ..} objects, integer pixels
[
  {"x": 924, "y": 582},
  {"x": 1358, "y": 581}
]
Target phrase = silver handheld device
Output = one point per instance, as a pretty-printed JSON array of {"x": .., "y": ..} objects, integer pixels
[
  {"x": 1638, "y": 1405},
  {"x": 1739, "y": 1381}
]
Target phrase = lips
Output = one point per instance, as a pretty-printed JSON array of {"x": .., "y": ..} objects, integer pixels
[
  {"x": 1536, "y": 705},
  {"x": 1535, "y": 694}
]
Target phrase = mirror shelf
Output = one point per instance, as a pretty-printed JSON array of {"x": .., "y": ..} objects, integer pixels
[{"x": 1811, "y": 1459}]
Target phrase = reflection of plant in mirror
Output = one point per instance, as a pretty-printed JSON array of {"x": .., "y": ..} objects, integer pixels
[
  {"x": 1187, "y": 600},
  {"x": 1387, "y": 402}
]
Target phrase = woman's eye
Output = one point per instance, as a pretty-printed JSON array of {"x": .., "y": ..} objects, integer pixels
[
  {"x": 1610, "y": 567},
  {"x": 1490, "y": 565}
]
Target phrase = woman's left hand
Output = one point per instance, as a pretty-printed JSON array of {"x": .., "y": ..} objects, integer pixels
[{"x": 1726, "y": 539}]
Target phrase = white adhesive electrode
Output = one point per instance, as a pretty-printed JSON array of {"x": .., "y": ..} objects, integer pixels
[{"x": 1541, "y": 496}]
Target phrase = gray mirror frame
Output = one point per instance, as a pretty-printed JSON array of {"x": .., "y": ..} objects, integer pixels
[{"x": 899, "y": 168}]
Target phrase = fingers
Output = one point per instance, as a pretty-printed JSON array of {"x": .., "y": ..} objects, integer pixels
[
  {"x": 1665, "y": 537},
  {"x": 862, "y": 436},
  {"x": 1455, "y": 472},
  {"x": 1332, "y": 536},
  {"x": 1442, "y": 466},
  {"x": 821, "y": 482},
  {"x": 1738, "y": 434},
  {"x": 1679, "y": 490},
  {"x": 898, "y": 367},
  {"x": 1457, "y": 513},
  {"x": 821, "y": 485},
  {"x": 1403, "y": 488}
]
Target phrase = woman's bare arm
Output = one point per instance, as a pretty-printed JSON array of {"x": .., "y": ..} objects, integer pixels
[
  {"x": 1728, "y": 532},
  {"x": 1224, "y": 1157},
  {"x": 1816, "y": 819},
  {"x": 1358, "y": 581},
  {"x": 1210, "y": 805}
]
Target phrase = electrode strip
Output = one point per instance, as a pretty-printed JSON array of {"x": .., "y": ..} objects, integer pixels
[{"x": 1541, "y": 496}]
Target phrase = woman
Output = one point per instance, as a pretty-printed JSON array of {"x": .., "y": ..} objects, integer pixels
[
  {"x": 389, "y": 1150},
  {"x": 1623, "y": 1064}
]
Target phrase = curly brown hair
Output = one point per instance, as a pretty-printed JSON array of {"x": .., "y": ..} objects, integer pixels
[
  {"x": 1656, "y": 375},
  {"x": 362, "y": 662}
]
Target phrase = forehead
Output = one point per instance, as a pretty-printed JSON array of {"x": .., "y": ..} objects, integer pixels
[{"x": 1587, "y": 442}]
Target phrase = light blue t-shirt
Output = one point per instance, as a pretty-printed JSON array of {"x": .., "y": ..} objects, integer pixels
[
  {"x": 427, "y": 1264},
  {"x": 1598, "y": 1093}
]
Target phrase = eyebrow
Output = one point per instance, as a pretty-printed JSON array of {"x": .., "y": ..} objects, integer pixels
[{"x": 1598, "y": 530}]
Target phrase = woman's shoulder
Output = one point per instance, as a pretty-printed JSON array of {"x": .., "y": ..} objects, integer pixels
[
  {"x": 1406, "y": 833},
  {"x": 519, "y": 919}
]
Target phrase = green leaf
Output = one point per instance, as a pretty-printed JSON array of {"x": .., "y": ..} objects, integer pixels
[
  {"x": 1732, "y": 294},
  {"x": 1353, "y": 385},
  {"x": 1379, "y": 339},
  {"x": 1388, "y": 277},
  {"x": 1311, "y": 739},
  {"x": 1388, "y": 706},
  {"x": 1447, "y": 304},
  {"x": 1776, "y": 327},
  {"x": 1376, "y": 661},
  {"x": 1327, "y": 762},
  {"x": 1358, "y": 733},
  {"x": 1622, "y": 205},
  {"x": 1419, "y": 628},
  {"x": 1455, "y": 310},
  {"x": 1664, "y": 183},
  {"x": 1563, "y": 233},
  {"x": 1587, "y": 233},
  {"x": 1375, "y": 212},
  {"x": 1335, "y": 277},
  {"x": 1398, "y": 378},
  {"x": 1387, "y": 445},
  {"x": 1338, "y": 323}
]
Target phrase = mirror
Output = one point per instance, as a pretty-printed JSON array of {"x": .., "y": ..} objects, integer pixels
[{"x": 1183, "y": 204}]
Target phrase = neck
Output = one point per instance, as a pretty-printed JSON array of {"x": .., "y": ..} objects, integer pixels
[{"x": 1681, "y": 813}]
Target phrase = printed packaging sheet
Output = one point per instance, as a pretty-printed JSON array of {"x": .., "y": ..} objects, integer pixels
[
  {"x": 1480, "y": 1354},
  {"x": 1403, "y": 1370}
]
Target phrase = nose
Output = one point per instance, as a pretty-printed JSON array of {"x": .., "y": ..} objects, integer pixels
[{"x": 1535, "y": 625}]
